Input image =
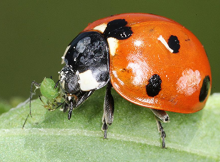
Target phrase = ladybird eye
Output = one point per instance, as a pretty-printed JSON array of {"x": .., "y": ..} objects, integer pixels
[{"x": 174, "y": 43}]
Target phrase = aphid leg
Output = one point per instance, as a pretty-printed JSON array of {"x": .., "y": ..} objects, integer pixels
[
  {"x": 46, "y": 106},
  {"x": 108, "y": 113},
  {"x": 42, "y": 100},
  {"x": 25, "y": 121},
  {"x": 163, "y": 116},
  {"x": 37, "y": 85},
  {"x": 60, "y": 104}
]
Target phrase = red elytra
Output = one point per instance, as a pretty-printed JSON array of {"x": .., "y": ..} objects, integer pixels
[{"x": 185, "y": 75}]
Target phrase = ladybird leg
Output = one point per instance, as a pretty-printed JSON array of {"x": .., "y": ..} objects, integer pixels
[
  {"x": 83, "y": 97},
  {"x": 65, "y": 107},
  {"x": 163, "y": 116},
  {"x": 108, "y": 113},
  {"x": 70, "y": 110}
]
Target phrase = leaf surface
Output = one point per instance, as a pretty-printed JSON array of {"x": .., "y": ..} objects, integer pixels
[{"x": 133, "y": 136}]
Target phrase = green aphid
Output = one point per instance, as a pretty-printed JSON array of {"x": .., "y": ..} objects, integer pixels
[{"x": 51, "y": 92}]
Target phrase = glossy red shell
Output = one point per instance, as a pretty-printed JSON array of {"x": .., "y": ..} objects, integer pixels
[{"x": 140, "y": 56}]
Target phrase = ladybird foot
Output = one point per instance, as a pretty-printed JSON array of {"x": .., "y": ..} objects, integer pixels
[
  {"x": 104, "y": 128},
  {"x": 162, "y": 132}
]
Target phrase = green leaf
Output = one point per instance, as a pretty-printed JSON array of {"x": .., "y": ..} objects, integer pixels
[{"x": 133, "y": 136}]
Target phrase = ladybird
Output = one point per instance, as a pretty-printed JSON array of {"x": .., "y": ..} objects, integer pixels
[{"x": 149, "y": 60}]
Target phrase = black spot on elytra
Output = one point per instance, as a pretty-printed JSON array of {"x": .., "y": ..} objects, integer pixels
[
  {"x": 154, "y": 86},
  {"x": 118, "y": 29},
  {"x": 174, "y": 43},
  {"x": 204, "y": 89}
]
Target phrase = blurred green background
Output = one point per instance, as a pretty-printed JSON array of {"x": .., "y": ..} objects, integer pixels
[{"x": 34, "y": 34}]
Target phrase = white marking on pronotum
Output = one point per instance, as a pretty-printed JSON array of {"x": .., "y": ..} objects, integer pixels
[
  {"x": 101, "y": 27},
  {"x": 163, "y": 41},
  {"x": 87, "y": 81},
  {"x": 113, "y": 45},
  {"x": 64, "y": 54}
]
